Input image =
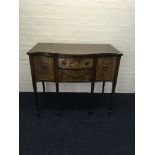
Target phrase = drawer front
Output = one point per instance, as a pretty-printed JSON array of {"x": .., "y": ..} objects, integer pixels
[
  {"x": 75, "y": 62},
  {"x": 75, "y": 75},
  {"x": 43, "y": 68},
  {"x": 105, "y": 69}
]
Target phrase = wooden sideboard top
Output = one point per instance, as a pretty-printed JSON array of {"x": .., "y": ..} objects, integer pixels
[{"x": 73, "y": 49}]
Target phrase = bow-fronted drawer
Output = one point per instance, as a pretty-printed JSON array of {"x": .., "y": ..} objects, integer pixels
[
  {"x": 75, "y": 62},
  {"x": 75, "y": 75}
]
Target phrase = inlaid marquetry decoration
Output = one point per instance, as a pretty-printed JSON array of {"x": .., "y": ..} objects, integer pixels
[
  {"x": 59, "y": 62},
  {"x": 75, "y": 75},
  {"x": 75, "y": 62}
]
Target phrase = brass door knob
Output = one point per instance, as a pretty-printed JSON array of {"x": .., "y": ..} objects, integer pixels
[{"x": 105, "y": 66}]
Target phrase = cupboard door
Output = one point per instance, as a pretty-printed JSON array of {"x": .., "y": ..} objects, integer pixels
[
  {"x": 43, "y": 68},
  {"x": 105, "y": 68}
]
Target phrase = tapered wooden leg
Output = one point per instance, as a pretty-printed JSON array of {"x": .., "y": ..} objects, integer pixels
[
  {"x": 43, "y": 84},
  {"x": 36, "y": 98},
  {"x": 103, "y": 86},
  {"x": 59, "y": 106},
  {"x": 90, "y": 103},
  {"x": 111, "y": 97}
]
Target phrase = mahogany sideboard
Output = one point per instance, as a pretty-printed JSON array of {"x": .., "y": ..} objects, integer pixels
[{"x": 59, "y": 62}]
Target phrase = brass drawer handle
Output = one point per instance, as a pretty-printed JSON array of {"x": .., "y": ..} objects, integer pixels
[{"x": 105, "y": 66}]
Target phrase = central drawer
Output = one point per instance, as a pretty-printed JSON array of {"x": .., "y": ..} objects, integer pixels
[
  {"x": 75, "y": 62},
  {"x": 75, "y": 75}
]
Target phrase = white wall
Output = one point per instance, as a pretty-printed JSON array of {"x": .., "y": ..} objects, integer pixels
[{"x": 78, "y": 21}]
